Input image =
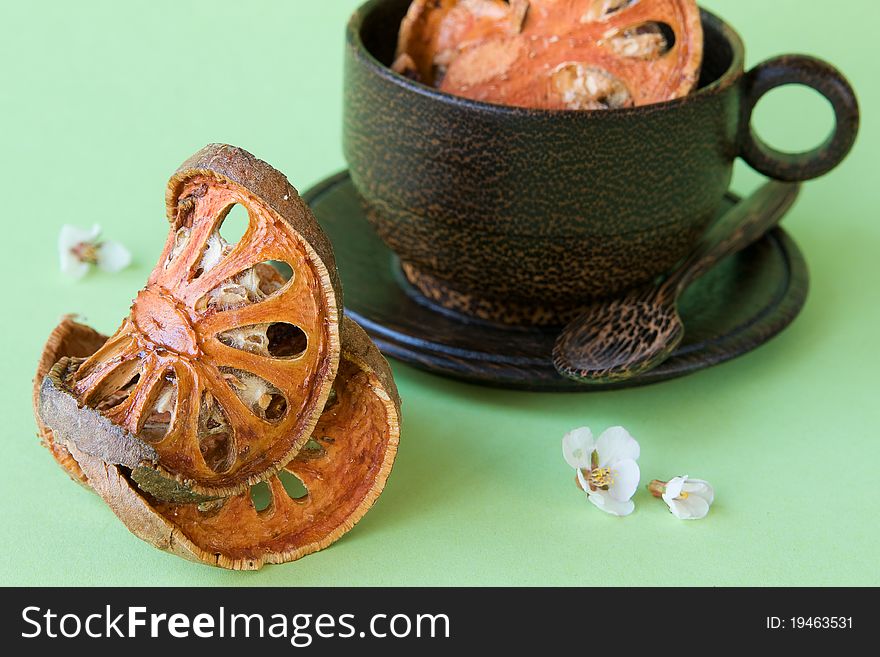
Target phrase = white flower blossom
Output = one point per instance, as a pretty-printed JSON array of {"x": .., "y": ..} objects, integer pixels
[
  {"x": 606, "y": 468},
  {"x": 79, "y": 249},
  {"x": 687, "y": 499}
]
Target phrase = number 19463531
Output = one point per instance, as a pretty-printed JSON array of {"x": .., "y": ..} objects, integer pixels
[{"x": 809, "y": 623}]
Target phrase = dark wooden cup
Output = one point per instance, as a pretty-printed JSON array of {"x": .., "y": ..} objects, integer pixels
[{"x": 521, "y": 216}]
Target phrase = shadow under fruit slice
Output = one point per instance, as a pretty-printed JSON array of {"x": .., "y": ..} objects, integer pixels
[
  {"x": 217, "y": 377},
  {"x": 586, "y": 55},
  {"x": 342, "y": 469}
]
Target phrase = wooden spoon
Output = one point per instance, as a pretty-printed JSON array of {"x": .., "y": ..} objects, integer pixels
[{"x": 617, "y": 339}]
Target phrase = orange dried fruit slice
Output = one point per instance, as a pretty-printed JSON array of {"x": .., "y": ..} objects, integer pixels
[
  {"x": 68, "y": 339},
  {"x": 586, "y": 55},
  {"x": 341, "y": 471},
  {"x": 434, "y": 32},
  {"x": 217, "y": 377}
]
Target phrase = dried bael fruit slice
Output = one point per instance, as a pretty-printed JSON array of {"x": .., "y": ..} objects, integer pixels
[
  {"x": 434, "y": 32},
  {"x": 586, "y": 55},
  {"x": 68, "y": 339},
  {"x": 219, "y": 374},
  {"x": 340, "y": 473}
]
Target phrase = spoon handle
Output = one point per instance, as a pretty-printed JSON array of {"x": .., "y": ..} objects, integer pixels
[{"x": 740, "y": 227}]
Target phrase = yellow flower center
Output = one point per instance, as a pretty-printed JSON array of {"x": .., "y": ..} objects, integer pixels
[
  {"x": 601, "y": 478},
  {"x": 683, "y": 496},
  {"x": 86, "y": 252}
]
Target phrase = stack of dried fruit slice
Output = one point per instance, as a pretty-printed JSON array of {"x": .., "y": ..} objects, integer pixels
[
  {"x": 234, "y": 418},
  {"x": 554, "y": 54}
]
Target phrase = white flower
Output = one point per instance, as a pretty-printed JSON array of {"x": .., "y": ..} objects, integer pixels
[
  {"x": 78, "y": 249},
  {"x": 606, "y": 468},
  {"x": 687, "y": 499}
]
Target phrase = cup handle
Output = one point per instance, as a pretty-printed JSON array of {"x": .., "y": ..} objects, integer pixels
[{"x": 828, "y": 81}]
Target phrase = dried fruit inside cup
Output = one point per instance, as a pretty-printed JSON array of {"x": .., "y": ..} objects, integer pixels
[
  {"x": 218, "y": 375},
  {"x": 589, "y": 88},
  {"x": 563, "y": 54},
  {"x": 434, "y": 32}
]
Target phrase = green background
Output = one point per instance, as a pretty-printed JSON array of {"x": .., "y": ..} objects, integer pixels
[{"x": 102, "y": 101}]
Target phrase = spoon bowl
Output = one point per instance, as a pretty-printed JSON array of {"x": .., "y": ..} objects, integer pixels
[{"x": 617, "y": 339}]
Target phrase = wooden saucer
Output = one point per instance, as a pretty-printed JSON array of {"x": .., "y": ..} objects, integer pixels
[{"x": 740, "y": 305}]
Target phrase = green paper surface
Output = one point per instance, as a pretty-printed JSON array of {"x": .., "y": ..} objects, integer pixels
[{"x": 103, "y": 100}]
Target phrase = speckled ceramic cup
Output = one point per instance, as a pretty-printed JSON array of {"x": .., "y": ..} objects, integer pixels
[{"x": 522, "y": 216}]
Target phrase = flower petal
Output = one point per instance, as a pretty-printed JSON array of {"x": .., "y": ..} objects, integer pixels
[
  {"x": 673, "y": 488},
  {"x": 113, "y": 257},
  {"x": 700, "y": 488},
  {"x": 609, "y": 505},
  {"x": 675, "y": 509},
  {"x": 625, "y": 476},
  {"x": 577, "y": 446},
  {"x": 615, "y": 444},
  {"x": 582, "y": 481},
  {"x": 72, "y": 266},
  {"x": 70, "y": 236},
  {"x": 692, "y": 508}
]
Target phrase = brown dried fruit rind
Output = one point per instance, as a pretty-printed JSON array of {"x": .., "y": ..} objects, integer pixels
[
  {"x": 343, "y": 468},
  {"x": 216, "y": 379},
  {"x": 73, "y": 340}
]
